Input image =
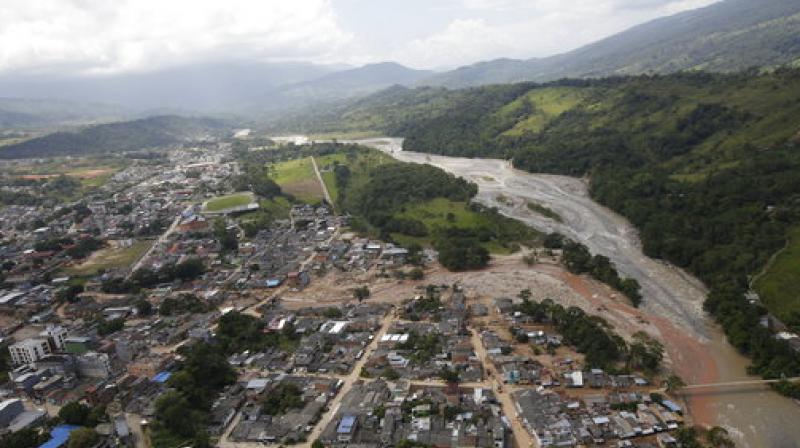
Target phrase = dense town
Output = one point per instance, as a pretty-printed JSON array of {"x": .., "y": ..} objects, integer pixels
[{"x": 439, "y": 368}]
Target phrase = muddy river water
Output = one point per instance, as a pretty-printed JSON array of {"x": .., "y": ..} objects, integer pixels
[{"x": 754, "y": 416}]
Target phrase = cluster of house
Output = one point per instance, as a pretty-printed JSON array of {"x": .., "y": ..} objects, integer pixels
[
  {"x": 556, "y": 420},
  {"x": 422, "y": 350},
  {"x": 379, "y": 413},
  {"x": 328, "y": 343},
  {"x": 262, "y": 420}
]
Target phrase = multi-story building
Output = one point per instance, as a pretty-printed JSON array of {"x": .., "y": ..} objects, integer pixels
[
  {"x": 29, "y": 351},
  {"x": 94, "y": 365},
  {"x": 56, "y": 335}
]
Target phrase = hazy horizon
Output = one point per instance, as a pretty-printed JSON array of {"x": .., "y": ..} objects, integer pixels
[{"x": 56, "y": 38}]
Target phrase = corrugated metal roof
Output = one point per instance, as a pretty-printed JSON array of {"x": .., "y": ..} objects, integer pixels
[{"x": 59, "y": 436}]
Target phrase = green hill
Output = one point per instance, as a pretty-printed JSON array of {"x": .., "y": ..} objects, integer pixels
[{"x": 134, "y": 135}]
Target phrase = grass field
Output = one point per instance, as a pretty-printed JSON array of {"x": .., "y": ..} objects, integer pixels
[
  {"x": 330, "y": 183},
  {"x": 230, "y": 201},
  {"x": 297, "y": 178},
  {"x": 779, "y": 286},
  {"x": 442, "y": 213},
  {"x": 110, "y": 258}
]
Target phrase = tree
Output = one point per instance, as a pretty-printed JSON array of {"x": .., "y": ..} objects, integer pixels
[
  {"x": 74, "y": 413},
  {"x": 361, "y": 293},
  {"x": 106, "y": 327},
  {"x": 143, "y": 307},
  {"x": 448, "y": 375},
  {"x": 416, "y": 274},
  {"x": 317, "y": 444},
  {"x": 673, "y": 384},
  {"x": 281, "y": 399},
  {"x": 719, "y": 438},
  {"x": 25, "y": 438},
  {"x": 189, "y": 269},
  {"x": 175, "y": 414},
  {"x": 83, "y": 438},
  {"x": 226, "y": 236},
  {"x": 70, "y": 293}
]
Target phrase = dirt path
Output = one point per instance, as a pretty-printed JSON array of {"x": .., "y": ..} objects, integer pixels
[
  {"x": 521, "y": 435},
  {"x": 322, "y": 183}
]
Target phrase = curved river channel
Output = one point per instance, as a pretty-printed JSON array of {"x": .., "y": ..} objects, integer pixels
[{"x": 754, "y": 415}]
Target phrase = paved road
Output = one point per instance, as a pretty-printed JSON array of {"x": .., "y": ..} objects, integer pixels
[
  {"x": 668, "y": 291},
  {"x": 350, "y": 379},
  {"x": 333, "y": 405},
  {"x": 160, "y": 240},
  {"x": 521, "y": 435}
]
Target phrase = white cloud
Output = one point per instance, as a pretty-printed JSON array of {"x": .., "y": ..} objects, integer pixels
[
  {"x": 462, "y": 40},
  {"x": 102, "y": 36},
  {"x": 531, "y": 28},
  {"x": 114, "y": 36}
]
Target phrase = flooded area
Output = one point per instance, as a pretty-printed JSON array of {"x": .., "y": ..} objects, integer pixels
[{"x": 755, "y": 416}]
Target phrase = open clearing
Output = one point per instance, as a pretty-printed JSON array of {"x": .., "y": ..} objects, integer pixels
[
  {"x": 231, "y": 201},
  {"x": 779, "y": 286},
  {"x": 110, "y": 258},
  {"x": 297, "y": 178}
]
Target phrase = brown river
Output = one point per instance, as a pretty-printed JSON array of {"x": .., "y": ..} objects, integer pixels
[{"x": 753, "y": 415}]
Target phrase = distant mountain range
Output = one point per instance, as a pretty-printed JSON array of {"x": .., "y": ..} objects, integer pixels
[
  {"x": 727, "y": 36},
  {"x": 219, "y": 88},
  {"x": 147, "y": 133},
  {"x": 31, "y": 113},
  {"x": 730, "y": 35},
  {"x": 356, "y": 82}
]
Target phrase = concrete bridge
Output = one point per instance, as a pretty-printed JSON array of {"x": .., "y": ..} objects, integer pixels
[{"x": 732, "y": 384}]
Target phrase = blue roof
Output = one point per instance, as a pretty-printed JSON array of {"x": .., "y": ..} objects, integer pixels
[
  {"x": 59, "y": 436},
  {"x": 162, "y": 377},
  {"x": 273, "y": 282},
  {"x": 672, "y": 406},
  {"x": 347, "y": 424}
]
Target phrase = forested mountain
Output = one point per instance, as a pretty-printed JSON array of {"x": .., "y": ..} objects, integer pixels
[
  {"x": 134, "y": 135},
  {"x": 727, "y": 36},
  {"x": 705, "y": 165}
]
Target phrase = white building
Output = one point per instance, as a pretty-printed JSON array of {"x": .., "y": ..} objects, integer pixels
[
  {"x": 29, "y": 351},
  {"x": 56, "y": 335}
]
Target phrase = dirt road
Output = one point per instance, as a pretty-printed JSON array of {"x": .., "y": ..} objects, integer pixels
[
  {"x": 521, "y": 435},
  {"x": 322, "y": 183}
]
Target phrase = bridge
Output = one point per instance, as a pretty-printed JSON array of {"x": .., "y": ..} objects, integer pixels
[{"x": 733, "y": 384}]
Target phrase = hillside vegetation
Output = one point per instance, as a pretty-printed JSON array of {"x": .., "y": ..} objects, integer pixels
[
  {"x": 134, "y": 135},
  {"x": 705, "y": 165},
  {"x": 727, "y": 36}
]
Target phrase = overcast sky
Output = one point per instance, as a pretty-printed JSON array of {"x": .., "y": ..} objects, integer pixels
[{"x": 117, "y": 36}]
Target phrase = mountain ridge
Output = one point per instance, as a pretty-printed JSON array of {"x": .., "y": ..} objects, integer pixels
[{"x": 727, "y": 36}]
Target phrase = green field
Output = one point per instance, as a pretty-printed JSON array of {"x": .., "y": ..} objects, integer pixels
[
  {"x": 110, "y": 258},
  {"x": 441, "y": 213},
  {"x": 330, "y": 183},
  {"x": 779, "y": 285},
  {"x": 226, "y": 202},
  {"x": 296, "y": 177}
]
